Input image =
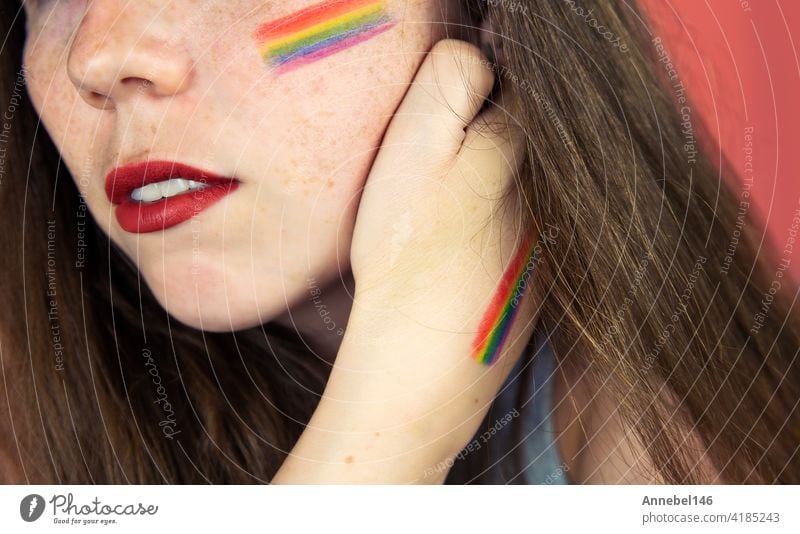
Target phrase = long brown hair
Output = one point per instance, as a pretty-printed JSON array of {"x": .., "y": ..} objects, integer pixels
[{"x": 641, "y": 291}]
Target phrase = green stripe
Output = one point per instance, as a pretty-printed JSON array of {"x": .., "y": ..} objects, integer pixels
[
  {"x": 326, "y": 34},
  {"x": 494, "y": 339}
]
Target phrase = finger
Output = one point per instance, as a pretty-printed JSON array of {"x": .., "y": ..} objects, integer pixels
[
  {"x": 493, "y": 149},
  {"x": 444, "y": 98},
  {"x": 496, "y": 126}
]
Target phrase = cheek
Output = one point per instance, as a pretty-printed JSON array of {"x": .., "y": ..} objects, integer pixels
[
  {"x": 338, "y": 123},
  {"x": 45, "y": 52},
  {"x": 62, "y": 115},
  {"x": 51, "y": 91},
  {"x": 40, "y": 66},
  {"x": 314, "y": 130},
  {"x": 330, "y": 147},
  {"x": 312, "y": 134},
  {"x": 346, "y": 129}
]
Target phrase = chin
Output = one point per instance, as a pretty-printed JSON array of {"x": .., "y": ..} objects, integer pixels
[{"x": 206, "y": 298}]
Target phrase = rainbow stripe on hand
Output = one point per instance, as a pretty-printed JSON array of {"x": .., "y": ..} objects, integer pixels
[
  {"x": 320, "y": 30},
  {"x": 498, "y": 318}
]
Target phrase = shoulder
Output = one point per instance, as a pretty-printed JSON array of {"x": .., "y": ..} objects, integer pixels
[{"x": 600, "y": 448}]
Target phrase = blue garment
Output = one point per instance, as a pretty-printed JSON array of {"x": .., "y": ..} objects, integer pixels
[{"x": 516, "y": 441}]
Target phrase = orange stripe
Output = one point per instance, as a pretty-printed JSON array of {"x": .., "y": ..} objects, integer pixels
[
  {"x": 493, "y": 314},
  {"x": 308, "y": 17}
]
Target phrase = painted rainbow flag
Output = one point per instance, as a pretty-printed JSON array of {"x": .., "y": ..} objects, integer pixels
[
  {"x": 320, "y": 30},
  {"x": 498, "y": 318}
]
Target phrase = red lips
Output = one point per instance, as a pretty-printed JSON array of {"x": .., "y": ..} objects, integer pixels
[{"x": 140, "y": 217}]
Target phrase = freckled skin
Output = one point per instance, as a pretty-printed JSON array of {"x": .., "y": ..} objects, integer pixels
[{"x": 301, "y": 143}]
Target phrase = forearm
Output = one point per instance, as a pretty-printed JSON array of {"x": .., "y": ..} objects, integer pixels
[
  {"x": 403, "y": 425},
  {"x": 351, "y": 451},
  {"x": 376, "y": 430}
]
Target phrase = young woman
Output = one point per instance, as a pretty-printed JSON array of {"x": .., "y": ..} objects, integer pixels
[{"x": 366, "y": 241}]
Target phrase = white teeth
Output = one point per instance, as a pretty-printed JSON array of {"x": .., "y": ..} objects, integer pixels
[{"x": 165, "y": 189}]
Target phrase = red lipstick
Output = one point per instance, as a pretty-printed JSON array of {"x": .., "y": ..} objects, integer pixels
[{"x": 141, "y": 216}]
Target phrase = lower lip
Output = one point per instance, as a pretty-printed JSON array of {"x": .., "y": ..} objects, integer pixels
[{"x": 142, "y": 217}]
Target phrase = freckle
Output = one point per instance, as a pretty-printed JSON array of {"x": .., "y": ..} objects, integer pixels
[
  {"x": 348, "y": 460},
  {"x": 329, "y": 184},
  {"x": 152, "y": 128},
  {"x": 377, "y": 434},
  {"x": 476, "y": 401}
]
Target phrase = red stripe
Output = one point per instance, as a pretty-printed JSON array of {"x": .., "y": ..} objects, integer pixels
[
  {"x": 501, "y": 296},
  {"x": 307, "y": 17}
]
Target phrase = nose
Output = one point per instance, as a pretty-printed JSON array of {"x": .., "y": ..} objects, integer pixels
[{"x": 122, "y": 49}]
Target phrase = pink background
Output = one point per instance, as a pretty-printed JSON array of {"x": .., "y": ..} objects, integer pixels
[{"x": 741, "y": 68}]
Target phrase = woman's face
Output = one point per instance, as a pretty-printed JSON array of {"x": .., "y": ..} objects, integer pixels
[{"x": 118, "y": 82}]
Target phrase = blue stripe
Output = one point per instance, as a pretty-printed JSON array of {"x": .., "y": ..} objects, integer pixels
[{"x": 310, "y": 49}]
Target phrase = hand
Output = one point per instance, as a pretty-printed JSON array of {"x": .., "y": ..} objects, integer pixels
[{"x": 437, "y": 227}]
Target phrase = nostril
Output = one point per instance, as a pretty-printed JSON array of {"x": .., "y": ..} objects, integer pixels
[
  {"x": 130, "y": 80},
  {"x": 98, "y": 100},
  {"x": 140, "y": 84}
]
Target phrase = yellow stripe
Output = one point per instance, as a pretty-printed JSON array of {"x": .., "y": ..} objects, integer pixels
[{"x": 322, "y": 26}]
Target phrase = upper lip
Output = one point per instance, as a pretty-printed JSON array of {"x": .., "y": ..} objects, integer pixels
[{"x": 122, "y": 180}]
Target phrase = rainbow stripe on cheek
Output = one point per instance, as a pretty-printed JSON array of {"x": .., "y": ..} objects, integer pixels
[
  {"x": 498, "y": 318},
  {"x": 320, "y": 30}
]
